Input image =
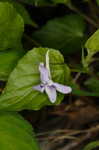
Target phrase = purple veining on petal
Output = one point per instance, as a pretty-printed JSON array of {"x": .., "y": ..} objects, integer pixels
[
  {"x": 62, "y": 88},
  {"x": 39, "y": 88},
  {"x": 43, "y": 73},
  {"x": 51, "y": 92}
]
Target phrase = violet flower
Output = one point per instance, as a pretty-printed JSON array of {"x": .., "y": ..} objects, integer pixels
[{"x": 47, "y": 85}]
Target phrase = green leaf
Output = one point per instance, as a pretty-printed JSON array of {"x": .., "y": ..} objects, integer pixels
[
  {"x": 93, "y": 85},
  {"x": 65, "y": 34},
  {"x": 92, "y": 145},
  {"x": 22, "y": 11},
  {"x": 92, "y": 43},
  {"x": 8, "y": 60},
  {"x": 16, "y": 133},
  {"x": 19, "y": 93},
  {"x": 90, "y": 87},
  {"x": 76, "y": 90},
  {"x": 36, "y": 2},
  {"x": 97, "y": 2},
  {"x": 60, "y": 1},
  {"x": 44, "y": 2},
  {"x": 11, "y": 26},
  {"x": 92, "y": 46}
]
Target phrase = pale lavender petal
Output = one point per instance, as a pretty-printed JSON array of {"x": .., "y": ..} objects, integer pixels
[
  {"x": 51, "y": 92},
  {"x": 39, "y": 88},
  {"x": 44, "y": 75},
  {"x": 62, "y": 88}
]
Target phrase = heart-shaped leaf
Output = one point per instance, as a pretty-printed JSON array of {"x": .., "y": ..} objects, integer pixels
[
  {"x": 16, "y": 133},
  {"x": 11, "y": 26},
  {"x": 65, "y": 34},
  {"x": 19, "y": 93}
]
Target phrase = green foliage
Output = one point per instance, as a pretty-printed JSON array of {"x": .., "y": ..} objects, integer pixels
[
  {"x": 36, "y": 2},
  {"x": 60, "y": 1},
  {"x": 97, "y": 2},
  {"x": 20, "y": 69},
  {"x": 16, "y": 133},
  {"x": 92, "y": 46},
  {"x": 19, "y": 93},
  {"x": 76, "y": 90},
  {"x": 92, "y": 145},
  {"x": 22, "y": 11},
  {"x": 44, "y": 2},
  {"x": 11, "y": 26},
  {"x": 8, "y": 60},
  {"x": 65, "y": 34},
  {"x": 93, "y": 85},
  {"x": 92, "y": 43}
]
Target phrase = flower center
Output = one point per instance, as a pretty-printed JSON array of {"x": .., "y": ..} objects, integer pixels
[{"x": 49, "y": 82}]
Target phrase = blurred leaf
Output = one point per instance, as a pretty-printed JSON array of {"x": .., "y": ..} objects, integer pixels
[
  {"x": 86, "y": 0},
  {"x": 11, "y": 26},
  {"x": 8, "y": 60},
  {"x": 97, "y": 2},
  {"x": 92, "y": 145},
  {"x": 60, "y": 1},
  {"x": 22, "y": 11},
  {"x": 93, "y": 85},
  {"x": 92, "y": 43},
  {"x": 36, "y": 2},
  {"x": 19, "y": 94},
  {"x": 16, "y": 133},
  {"x": 44, "y": 2},
  {"x": 92, "y": 46},
  {"x": 76, "y": 90},
  {"x": 65, "y": 34}
]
